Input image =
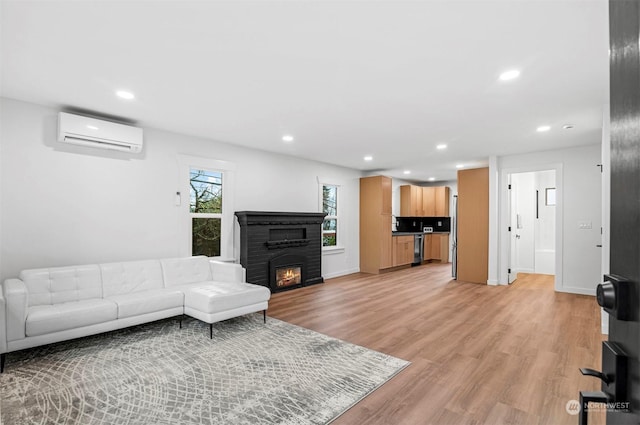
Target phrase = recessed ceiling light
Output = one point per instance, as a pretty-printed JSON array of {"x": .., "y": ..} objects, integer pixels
[
  {"x": 441, "y": 146},
  {"x": 125, "y": 94},
  {"x": 460, "y": 166},
  {"x": 432, "y": 179},
  {"x": 406, "y": 172},
  {"x": 567, "y": 126},
  {"x": 509, "y": 75},
  {"x": 92, "y": 127},
  {"x": 368, "y": 158},
  {"x": 287, "y": 138},
  {"x": 543, "y": 128}
]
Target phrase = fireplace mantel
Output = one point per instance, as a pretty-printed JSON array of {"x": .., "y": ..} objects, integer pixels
[
  {"x": 268, "y": 237},
  {"x": 265, "y": 218}
]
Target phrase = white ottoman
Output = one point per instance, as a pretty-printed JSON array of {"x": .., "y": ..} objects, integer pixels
[{"x": 212, "y": 302}]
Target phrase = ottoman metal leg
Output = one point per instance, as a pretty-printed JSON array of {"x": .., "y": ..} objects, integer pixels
[
  {"x": 3, "y": 357},
  {"x": 264, "y": 315},
  {"x": 210, "y": 330}
]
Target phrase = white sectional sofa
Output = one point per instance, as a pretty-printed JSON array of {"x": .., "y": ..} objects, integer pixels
[{"x": 44, "y": 306}]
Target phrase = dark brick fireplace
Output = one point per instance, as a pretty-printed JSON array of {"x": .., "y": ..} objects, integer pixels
[{"x": 281, "y": 250}]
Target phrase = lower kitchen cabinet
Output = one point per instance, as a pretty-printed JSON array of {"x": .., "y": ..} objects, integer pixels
[
  {"x": 436, "y": 247},
  {"x": 402, "y": 250}
]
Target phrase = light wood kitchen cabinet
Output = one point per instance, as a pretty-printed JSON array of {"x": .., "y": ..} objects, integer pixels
[
  {"x": 386, "y": 243},
  {"x": 416, "y": 201},
  {"x": 410, "y": 201},
  {"x": 436, "y": 250},
  {"x": 402, "y": 250},
  {"x": 426, "y": 246},
  {"x": 428, "y": 202},
  {"x": 436, "y": 247},
  {"x": 441, "y": 201},
  {"x": 473, "y": 225},
  {"x": 376, "y": 247}
]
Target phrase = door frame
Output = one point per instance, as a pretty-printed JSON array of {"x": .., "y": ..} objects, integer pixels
[
  {"x": 504, "y": 240},
  {"x": 512, "y": 274}
]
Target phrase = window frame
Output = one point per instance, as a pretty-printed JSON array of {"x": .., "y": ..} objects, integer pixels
[
  {"x": 227, "y": 170},
  {"x": 209, "y": 215},
  {"x": 338, "y": 247}
]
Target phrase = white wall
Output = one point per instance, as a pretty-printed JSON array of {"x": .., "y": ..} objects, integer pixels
[
  {"x": 63, "y": 205},
  {"x": 579, "y": 200}
]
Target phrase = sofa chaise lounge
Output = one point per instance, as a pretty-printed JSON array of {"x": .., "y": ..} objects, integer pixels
[{"x": 44, "y": 306}]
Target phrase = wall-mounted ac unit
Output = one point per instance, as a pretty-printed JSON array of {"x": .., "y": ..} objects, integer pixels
[{"x": 85, "y": 131}]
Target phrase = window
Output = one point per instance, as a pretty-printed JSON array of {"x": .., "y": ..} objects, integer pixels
[
  {"x": 205, "y": 207},
  {"x": 550, "y": 196},
  {"x": 206, "y": 219},
  {"x": 330, "y": 207}
]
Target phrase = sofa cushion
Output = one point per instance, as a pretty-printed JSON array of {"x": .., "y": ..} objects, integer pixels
[
  {"x": 131, "y": 276},
  {"x": 44, "y": 319},
  {"x": 212, "y": 297},
  {"x": 62, "y": 284},
  {"x": 181, "y": 271},
  {"x": 138, "y": 303}
]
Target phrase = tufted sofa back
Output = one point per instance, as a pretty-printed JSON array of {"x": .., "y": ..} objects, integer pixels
[
  {"x": 75, "y": 283},
  {"x": 131, "y": 276},
  {"x": 62, "y": 284},
  {"x": 181, "y": 271}
]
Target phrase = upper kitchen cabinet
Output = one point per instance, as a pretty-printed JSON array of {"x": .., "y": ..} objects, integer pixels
[
  {"x": 375, "y": 194},
  {"x": 441, "y": 201},
  {"x": 410, "y": 201},
  {"x": 376, "y": 250},
  {"x": 428, "y": 202},
  {"x": 416, "y": 201}
]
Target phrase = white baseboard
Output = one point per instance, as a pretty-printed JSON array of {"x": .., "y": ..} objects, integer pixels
[
  {"x": 579, "y": 291},
  {"x": 341, "y": 273},
  {"x": 525, "y": 271},
  {"x": 492, "y": 282}
]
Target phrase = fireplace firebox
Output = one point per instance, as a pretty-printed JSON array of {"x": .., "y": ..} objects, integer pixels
[
  {"x": 281, "y": 250},
  {"x": 288, "y": 276}
]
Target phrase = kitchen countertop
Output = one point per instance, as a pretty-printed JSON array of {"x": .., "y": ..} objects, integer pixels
[{"x": 417, "y": 233}]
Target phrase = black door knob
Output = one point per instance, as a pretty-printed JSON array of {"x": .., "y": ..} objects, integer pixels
[{"x": 606, "y": 295}]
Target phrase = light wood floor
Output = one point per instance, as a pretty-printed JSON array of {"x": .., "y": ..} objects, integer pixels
[{"x": 480, "y": 354}]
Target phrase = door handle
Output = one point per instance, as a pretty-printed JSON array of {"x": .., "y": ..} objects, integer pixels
[
  {"x": 599, "y": 246},
  {"x": 613, "y": 376},
  {"x": 596, "y": 373}
]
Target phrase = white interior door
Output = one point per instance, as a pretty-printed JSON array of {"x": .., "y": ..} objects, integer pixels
[{"x": 513, "y": 226}]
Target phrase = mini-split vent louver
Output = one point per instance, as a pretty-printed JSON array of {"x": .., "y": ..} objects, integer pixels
[{"x": 95, "y": 133}]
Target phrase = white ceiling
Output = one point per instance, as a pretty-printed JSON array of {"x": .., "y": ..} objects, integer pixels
[{"x": 347, "y": 79}]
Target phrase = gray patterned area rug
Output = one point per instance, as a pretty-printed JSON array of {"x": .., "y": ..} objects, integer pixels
[{"x": 249, "y": 373}]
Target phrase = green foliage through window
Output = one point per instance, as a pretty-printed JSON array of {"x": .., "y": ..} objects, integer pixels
[
  {"x": 205, "y": 205},
  {"x": 330, "y": 207},
  {"x": 330, "y": 200},
  {"x": 205, "y": 236},
  {"x": 206, "y": 191}
]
